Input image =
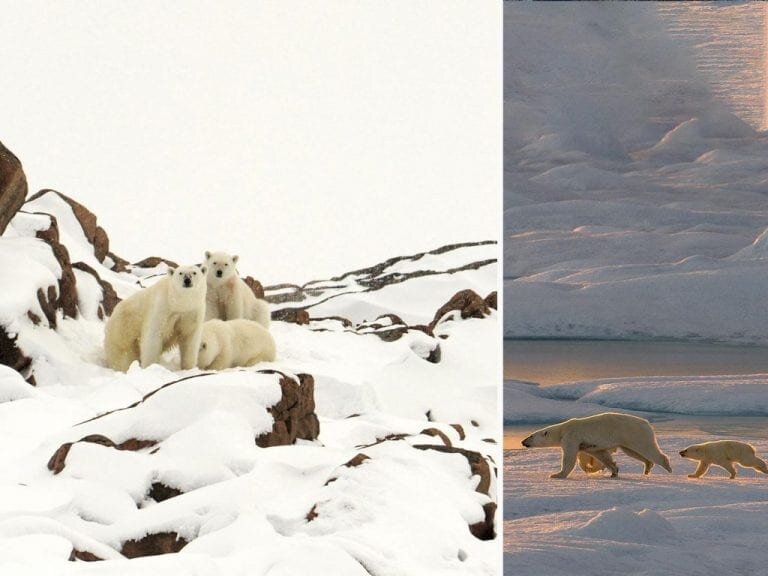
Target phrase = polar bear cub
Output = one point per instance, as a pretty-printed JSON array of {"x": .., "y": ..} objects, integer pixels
[
  {"x": 723, "y": 453},
  {"x": 234, "y": 343},
  {"x": 157, "y": 318},
  {"x": 598, "y": 437},
  {"x": 229, "y": 297}
]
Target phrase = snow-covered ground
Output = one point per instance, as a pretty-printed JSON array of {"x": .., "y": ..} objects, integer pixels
[
  {"x": 171, "y": 461},
  {"x": 635, "y": 200}
]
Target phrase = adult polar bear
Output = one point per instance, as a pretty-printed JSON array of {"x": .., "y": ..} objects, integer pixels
[
  {"x": 155, "y": 319},
  {"x": 599, "y": 436},
  {"x": 229, "y": 297},
  {"x": 226, "y": 344}
]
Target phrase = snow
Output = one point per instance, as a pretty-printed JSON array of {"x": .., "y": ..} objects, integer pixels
[{"x": 242, "y": 507}]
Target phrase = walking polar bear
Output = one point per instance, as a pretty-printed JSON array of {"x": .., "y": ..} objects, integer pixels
[
  {"x": 229, "y": 297},
  {"x": 593, "y": 440},
  {"x": 157, "y": 318},
  {"x": 723, "y": 453},
  {"x": 234, "y": 343}
]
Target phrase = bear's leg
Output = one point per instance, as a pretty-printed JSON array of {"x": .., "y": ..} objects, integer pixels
[
  {"x": 570, "y": 453},
  {"x": 632, "y": 454},
  {"x": 729, "y": 467},
  {"x": 701, "y": 469},
  {"x": 189, "y": 346},
  {"x": 605, "y": 458},
  {"x": 150, "y": 348}
]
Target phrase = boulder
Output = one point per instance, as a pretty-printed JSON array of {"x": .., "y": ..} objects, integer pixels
[
  {"x": 294, "y": 414},
  {"x": 153, "y": 545},
  {"x": 468, "y": 302},
  {"x": 66, "y": 298},
  {"x": 13, "y": 186},
  {"x": 12, "y": 356},
  {"x": 109, "y": 298}
]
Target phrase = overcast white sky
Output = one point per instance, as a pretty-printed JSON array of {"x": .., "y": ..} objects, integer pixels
[{"x": 309, "y": 137}]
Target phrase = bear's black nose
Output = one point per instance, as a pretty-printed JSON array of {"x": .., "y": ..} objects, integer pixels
[
  {"x": 218, "y": 273},
  {"x": 682, "y": 453},
  {"x": 526, "y": 442},
  {"x": 187, "y": 282}
]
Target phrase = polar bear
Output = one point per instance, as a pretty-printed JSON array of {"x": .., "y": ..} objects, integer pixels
[
  {"x": 723, "y": 453},
  {"x": 598, "y": 437},
  {"x": 226, "y": 344},
  {"x": 155, "y": 319},
  {"x": 229, "y": 297}
]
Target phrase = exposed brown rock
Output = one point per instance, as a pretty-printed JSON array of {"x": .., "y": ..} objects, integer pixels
[
  {"x": 477, "y": 463},
  {"x": 87, "y": 219},
  {"x": 13, "y": 186},
  {"x": 255, "y": 286},
  {"x": 460, "y": 429},
  {"x": 312, "y": 514},
  {"x": 439, "y": 434},
  {"x": 109, "y": 298},
  {"x": 294, "y": 315},
  {"x": 13, "y": 357},
  {"x": 120, "y": 264},
  {"x": 357, "y": 460},
  {"x": 345, "y": 322},
  {"x": 153, "y": 545},
  {"x": 295, "y": 294},
  {"x": 467, "y": 301},
  {"x": 83, "y": 555},
  {"x": 159, "y": 492},
  {"x": 294, "y": 414},
  {"x": 492, "y": 300},
  {"x": 435, "y": 355},
  {"x": 153, "y": 261},
  {"x": 57, "y": 462},
  {"x": 484, "y": 529},
  {"x": 47, "y": 303},
  {"x": 66, "y": 299}
]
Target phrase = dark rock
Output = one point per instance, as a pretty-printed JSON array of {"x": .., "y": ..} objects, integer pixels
[
  {"x": 484, "y": 530},
  {"x": 294, "y": 415},
  {"x": 296, "y": 294},
  {"x": 468, "y": 302},
  {"x": 153, "y": 545},
  {"x": 357, "y": 460},
  {"x": 255, "y": 286},
  {"x": 435, "y": 355},
  {"x": 87, "y": 219},
  {"x": 48, "y": 304},
  {"x": 460, "y": 429},
  {"x": 66, "y": 299},
  {"x": 437, "y": 433},
  {"x": 57, "y": 462},
  {"x": 83, "y": 555},
  {"x": 159, "y": 492},
  {"x": 120, "y": 264},
  {"x": 13, "y": 186},
  {"x": 154, "y": 261},
  {"x": 293, "y": 315},
  {"x": 491, "y": 300},
  {"x": 477, "y": 463},
  {"x": 109, "y": 298},
  {"x": 312, "y": 514},
  {"x": 345, "y": 322},
  {"x": 13, "y": 357}
]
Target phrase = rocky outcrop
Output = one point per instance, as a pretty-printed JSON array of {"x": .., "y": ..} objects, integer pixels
[
  {"x": 153, "y": 545},
  {"x": 255, "y": 286},
  {"x": 293, "y": 315},
  {"x": 66, "y": 297},
  {"x": 294, "y": 414},
  {"x": 468, "y": 302},
  {"x": 57, "y": 462},
  {"x": 13, "y": 186},
  {"x": 154, "y": 261},
  {"x": 12, "y": 356},
  {"x": 109, "y": 298},
  {"x": 492, "y": 300}
]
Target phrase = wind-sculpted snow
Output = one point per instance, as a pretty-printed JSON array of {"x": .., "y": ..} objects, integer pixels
[
  {"x": 367, "y": 447},
  {"x": 635, "y": 200}
]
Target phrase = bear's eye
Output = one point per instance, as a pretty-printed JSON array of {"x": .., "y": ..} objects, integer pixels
[
  {"x": 226, "y": 264},
  {"x": 194, "y": 273},
  {"x": 204, "y": 346}
]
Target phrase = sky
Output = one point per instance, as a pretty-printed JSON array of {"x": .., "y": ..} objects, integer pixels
[{"x": 310, "y": 138}]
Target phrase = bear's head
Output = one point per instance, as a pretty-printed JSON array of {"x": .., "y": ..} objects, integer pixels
[
  {"x": 187, "y": 277},
  {"x": 221, "y": 266},
  {"x": 545, "y": 438},
  {"x": 209, "y": 348},
  {"x": 693, "y": 452}
]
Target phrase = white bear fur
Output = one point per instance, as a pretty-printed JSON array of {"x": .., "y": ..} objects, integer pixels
[
  {"x": 157, "y": 318},
  {"x": 229, "y": 297},
  {"x": 234, "y": 343},
  {"x": 723, "y": 453},
  {"x": 593, "y": 440}
]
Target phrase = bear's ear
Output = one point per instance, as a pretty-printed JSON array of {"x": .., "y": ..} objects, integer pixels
[
  {"x": 171, "y": 271},
  {"x": 207, "y": 255},
  {"x": 203, "y": 269},
  {"x": 235, "y": 258}
]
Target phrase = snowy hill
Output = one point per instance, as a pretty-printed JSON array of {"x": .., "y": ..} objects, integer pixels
[
  {"x": 368, "y": 447},
  {"x": 635, "y": 199}
]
